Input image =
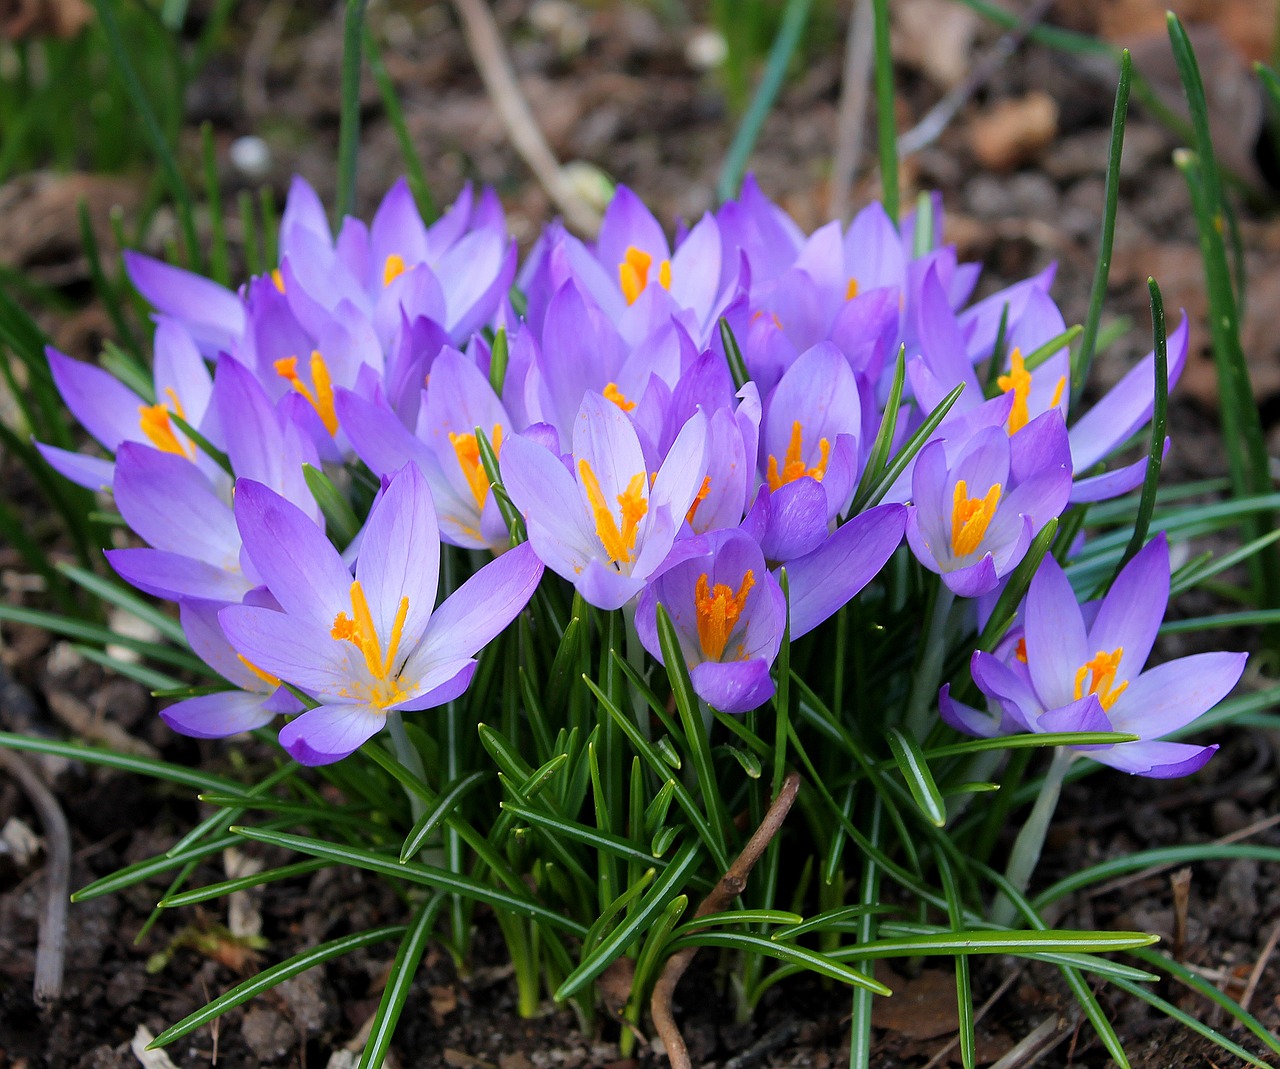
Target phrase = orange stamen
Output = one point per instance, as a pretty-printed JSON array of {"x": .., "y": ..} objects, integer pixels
[
  {"x": 703, "y": 491},
  {"x": 1057, "y": 392},
  {"x": 851, "y": 290},
  {"x": 618, "y": 539},
  {"x": 321, "y": 397},
  {"x": 718, "y": 611},
  {"x": 278, "y": 279},
  {"x": 359, "y": 630},
  {"x": 467, "y": 450},
  {"x": 1101, "y": 673},
  {"x": 664, "y": 274},
  {"x": 266, "y": 677},
  {"x": 392, "y": 269},
  {"x": 1019, "y": 381},
  {"x": 793, "y": 465},
  {"x": 154, "y": 422},
  {"x": 633, "y": 273},
  {"x": 970, "y": 517},
  {"x": 612, "y": 393}
]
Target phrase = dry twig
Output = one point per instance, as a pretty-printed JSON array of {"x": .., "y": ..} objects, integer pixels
[
  {"x": 500, "y": 80},
  {"x": 730, "y": 886},
  {"x": 1258, "y": 966},
  {"x": 52, "y": 938}
]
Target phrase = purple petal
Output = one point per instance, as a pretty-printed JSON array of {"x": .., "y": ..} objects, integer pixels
[
  {"x": 212, "y": 313},
  {"x": 1172, "y": 695},
  {"x": 1130, "y": 615},
  {"x": 1083, "y": 715},
  {"x": 289, "y": 649},
  {"x": 172, "y": 575},
  {"x": 93, "y": 473},
  {"x": 1159, "y": 760},
  {"x": 965, "y": 718},
  {"x": 480, "y": 609},
  {"x": 167, "y": 502},
  {"x": 329, "y": 733},
  {"x": 105, "y": 407},
  {"x": 446, "y": 682},
  {"x": 1056, "y": 641},
  {"x": 734, "y": 686},
  {"x": 215, "y": 716},
  {"x": 547, "y": 496},
  {"x": 295, "y": 559},
  {"x": 824, "y": 580}
]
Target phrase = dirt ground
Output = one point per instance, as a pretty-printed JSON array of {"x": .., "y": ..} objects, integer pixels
[{"x": 1021, "y": 168}]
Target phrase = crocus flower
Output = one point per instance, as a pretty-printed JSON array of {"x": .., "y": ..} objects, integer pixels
[
  {"x": 602, "y": 525},
  {"x": 729, "y": 614},
  {"x": 1069, "y": 675},
  {"x": 375, "y": 645},
  {"x": 111, "y": 412},
  {"x": 972, "y": 519}
]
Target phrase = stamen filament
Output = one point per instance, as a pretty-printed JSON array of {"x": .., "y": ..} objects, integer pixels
[
  {"x": 719, "y": 609},
  {"x": 793, "y": 465},
  {"x": 321, "y": 398},
  {"x": 618, "y": 539},
  {"x": 970, "y": 517},
  {"x": 1101, "y": 673}
]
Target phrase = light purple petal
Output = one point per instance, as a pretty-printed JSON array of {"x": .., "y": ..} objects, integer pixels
[
  {"x": 215, "y": 716},
  {"x": 1130, "y": 615},
  {"x": 172, "y": 575},
  {"x": 93, "y": 473},
  {"x": 734, "y": 686},
  {"x": 446, "y": 682},
  {"x": 293, "y": 556},
  {"x": 329, "y": 733},
  {"x": 1159, "y": 760},
  {"x": 289, "y": 649},
  {"x": 105, "y": 407},
  {"x": 1172, "y": 695},
  {"x": 1056, "y": 641},
  {"x": 824, "y": 580},
  {"x": 965, "y": 718},
  {"x": 212, "y": 313}
]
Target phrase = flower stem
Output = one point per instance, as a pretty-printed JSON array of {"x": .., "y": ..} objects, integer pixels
[
  {"x": 1030, "y": 841},
  {"x": 408, "y": 756},
  {"x": 928, "y": 673}
]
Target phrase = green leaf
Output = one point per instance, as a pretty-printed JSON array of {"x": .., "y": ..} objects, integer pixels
[
  {"x": 615, "y": 845},
  {"x": 123, "y": 598},
  {"x": 915, "y": 770},
  {"x": 414, "y": 171},
  {"x": 349, "y": 107},
  {"x": 152, "y": 866},
  {"x": 735, "y": 917},
  {"x": 340, "y": 518},
  {"x": 733, "y": 354},
  {"x": 913, "y": 445},
  {"x": 240, "y": 883},
  {"x": 797, "y": 956},
  {"x": 520, "y": 905},
  {"x": 879, "y": 455},
  {"x": 396, "y": 992},
  {"x": 430, "y": 820},
  {"x": 647, "y": 911},
  {"x": 269, "y": 978},
  {"x": 1083, "y": 358},
  {"x": 886, "y": 102}
]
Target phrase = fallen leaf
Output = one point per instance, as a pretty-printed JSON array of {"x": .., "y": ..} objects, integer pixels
[
  {"x": 1013, "y": 132},
  {"x": 935, "y": 37},
  {"x": 921, "y": 1008},
  {"x": 43, "y": 18}
]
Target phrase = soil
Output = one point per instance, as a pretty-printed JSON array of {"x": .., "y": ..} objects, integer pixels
[{"x": 613, "y": 85}]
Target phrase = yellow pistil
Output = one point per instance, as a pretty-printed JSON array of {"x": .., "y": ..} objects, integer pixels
[
  {"x": 612, "y": 393},
  {"x": 1057, "y": 392},
  {"x": 851, "y": 290},
  {"x": 1019, "y": 381},
  {"x": 154, "y": 422},
  {"x": 633, "y": 273},
  {"x": 321, "y": 397},
  {"x": 266, "y": 677},
  {"x": 392, "y": 269},
  {"x": 467, "y": 449},
  {"x": 793, "y": 465},
  {"x": 970, "y": 517},
  {"x": 278, "y": 279},
  {"x": 1101, "y": 673},
  {"x": 718, "y": 611},
  {"x": 358, "y": 629},
  {"x": 664, "y": 274},
  {"x": 703, "y": 491},
  {"x": 618, "y": 539}
]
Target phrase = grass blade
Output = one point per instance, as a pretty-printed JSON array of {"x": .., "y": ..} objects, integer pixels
[{"x": 914, "y": 767}]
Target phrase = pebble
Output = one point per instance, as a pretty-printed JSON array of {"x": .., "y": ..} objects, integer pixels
[{"x": 267, "y": 1034}]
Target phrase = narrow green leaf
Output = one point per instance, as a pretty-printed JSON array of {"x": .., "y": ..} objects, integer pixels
[
  {"x": 735, "y": 917},
  {"x": 152, "y": 866},
  {"x": 886, "y": 101},
  {"x": 414, "y": 171},
  {"x": 396, "y": 992},
  {"x": 1083, "y": 359},
  {"x": 647, "y": 911},
  {"x": 499, "y": 355},
  {"x": 733, "y": 354},
  {"x": 122, "y": 597},
  {"x": 349, "y": 115},
  {"x": 219, "y": 260},
  {"x": 339, "y": 517},
  {"x": 913, "y": 445},
  {"x": 430, "y": 820},
  {"x": 914, "y": 767},
  {"x": 521, "y": 905},
  {"x": 884, "y": 436},
  {"x": 800, "y": 957},
  {"x": 240, "y": 883},
  {"x": 1041, "y": 353},
  {"x": 269, "y": 978}
]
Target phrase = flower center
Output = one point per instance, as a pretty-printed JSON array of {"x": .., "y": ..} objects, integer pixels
[
  {"x": 793, "y": 466},
  {"x": 467, "y": 450},
  {"x": 1019, "y": 381},
  {"x": 359, "y": 630},
  {"x": 633, "y": 273},
  {"x": 619, "y": 539},
  {"x": 718, "y": 609},
  {"x": 1101, "y": 674},
  {"x": 321, "y": 397},
  {"x": 154, "y": 422},
  {"x": 612, "y": 393},
  {"x": 970, "y": 517},
  {"x": 392, "y": 269}
]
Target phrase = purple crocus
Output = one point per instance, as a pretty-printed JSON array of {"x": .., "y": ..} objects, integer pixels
[
  {"x": 602, "y": 525},
  {"x": 1069, "y": 675},
  {"x": 375, "y": 645},
  {"x": 729, "y": 613},
  {"x": 973, "y": 517}
]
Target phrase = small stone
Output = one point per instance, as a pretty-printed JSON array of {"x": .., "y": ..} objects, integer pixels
[
  {"x": 1014, "y": 132},
  {"x": 267, "y": 1034}
]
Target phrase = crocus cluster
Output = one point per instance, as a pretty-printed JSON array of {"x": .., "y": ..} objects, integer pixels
[{"x": 689, "y": 426}]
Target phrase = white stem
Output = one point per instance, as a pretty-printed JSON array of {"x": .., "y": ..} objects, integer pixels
[
  {"x": 1026, "y": 848},
  {"x": 928, "y": 676},
  {"x": 410, "y": 758}
]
